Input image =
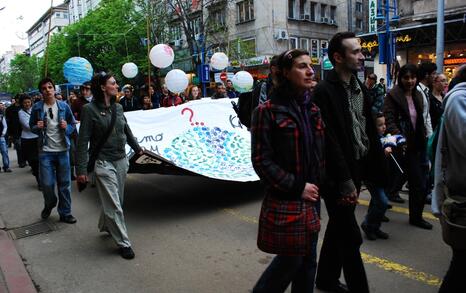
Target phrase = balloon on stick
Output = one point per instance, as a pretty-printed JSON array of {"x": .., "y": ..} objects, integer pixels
[
  {"x": 242, "y": 81},
  {"x": 176, "y": 80},
  {"x": 219, "y": 61},
  {"x": 129, "y": 70},
  {"x": 77, "y": 70},
  {"x": 161, "y": 56}
]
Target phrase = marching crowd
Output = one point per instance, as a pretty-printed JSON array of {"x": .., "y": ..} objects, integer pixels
[{"x": 309, "y": 140}]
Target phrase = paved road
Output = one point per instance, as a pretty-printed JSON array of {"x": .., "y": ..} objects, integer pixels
[{"x": 191, "y": 234}]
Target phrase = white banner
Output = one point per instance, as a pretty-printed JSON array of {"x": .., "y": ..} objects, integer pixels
[
  {"x": 203, "y": 136},
  {"x": 372, "y": 16}
]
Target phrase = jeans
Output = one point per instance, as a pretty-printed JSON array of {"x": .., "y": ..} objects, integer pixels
[
  {"x": 54, "y": 167},
  {"x": 298, "y": 270},
  {"x": 454, "y": 279},
  {"x": 4, "y": 151},
  {"x": 377, "y": 207}
]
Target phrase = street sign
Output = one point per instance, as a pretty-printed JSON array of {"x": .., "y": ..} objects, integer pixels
[
  {"x": 205, "y": 73},
  {"x": 223, "y": 76}
]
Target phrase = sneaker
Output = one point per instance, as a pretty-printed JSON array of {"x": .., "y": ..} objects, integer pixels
[
  {"x": 22, "y": 165},
  {"x": 7, "y": 170},
  {"x": 381, "y": 234},
  {"x": 126, "y": 252},
  {"x": 68, "y": 219},
  {"x": 369, "y": 234}
]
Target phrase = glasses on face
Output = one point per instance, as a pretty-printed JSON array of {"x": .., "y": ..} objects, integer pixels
[{"x": 50, "y": 113}]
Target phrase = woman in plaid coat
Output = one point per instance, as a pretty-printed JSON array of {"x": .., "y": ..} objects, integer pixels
[{"x": 287, "y": 154}]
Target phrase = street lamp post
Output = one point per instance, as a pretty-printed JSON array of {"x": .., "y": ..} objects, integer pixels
[{"x": 440, "y": 35}]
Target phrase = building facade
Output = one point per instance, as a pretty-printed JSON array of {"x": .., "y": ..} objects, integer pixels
[
  {"x": 57, "y": 17},
  {"x": 252, "y": 31},
  {"x": 5, "y": 60},
  {"x": 415, "y": 34},
  {"x": 78, "y": 9}
]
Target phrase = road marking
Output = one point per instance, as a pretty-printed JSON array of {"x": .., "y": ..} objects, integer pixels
[
  {"x": 401, "y": 270},
  {"x": 381, "y": 263},
  {"x": 401, "y": 210}
]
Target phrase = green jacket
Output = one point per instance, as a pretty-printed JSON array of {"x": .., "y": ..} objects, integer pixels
[{"x": 95, "y": 120}]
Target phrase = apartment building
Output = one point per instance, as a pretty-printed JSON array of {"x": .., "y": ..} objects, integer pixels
[
  {"x": 57, "y": 18},
  {"x": 80, "y": 8},
  {"x": 9, "y": 55}
]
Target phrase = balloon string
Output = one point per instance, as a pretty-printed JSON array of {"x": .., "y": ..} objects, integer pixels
[{"x": 148, "y": 44}]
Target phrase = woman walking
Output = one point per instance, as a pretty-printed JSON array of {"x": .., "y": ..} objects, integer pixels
[
  {"x": 28, "y": 138},
  {"x": 403, "y": 113},
  {"x": 104, "y": 128},
  {"x": 287, "y": 153}
]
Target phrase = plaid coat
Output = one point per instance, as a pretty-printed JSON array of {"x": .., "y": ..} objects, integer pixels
[{"x": 286, "y": 222}]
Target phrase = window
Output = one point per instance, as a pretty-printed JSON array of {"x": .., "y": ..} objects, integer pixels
[
  {"x": 247, "y": 48},
  {"x": 314, "y": 48},
  {"x": 292, "y": 9},
  {"x": 333, "y": 12},
  {"x": 359, "y": 23},
  {"x": 217, "y": 17},
  {"x": 293, "y": 43},
  {"x": 313, "y": 11},
  {"x": 65, "y": 15},
  {"x": 245, "y": 11},
  {"x": 196, "y": 25},
  {"x": 175, "y": 32},
  {"x": 304, "y": 44},
  {"x": 58, "y": 14},
  {"x": 323, "y": 9},
  {"x": 358, "y": 6}
]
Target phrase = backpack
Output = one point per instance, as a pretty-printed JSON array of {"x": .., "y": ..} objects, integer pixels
[{"x": 247, "y": 102}]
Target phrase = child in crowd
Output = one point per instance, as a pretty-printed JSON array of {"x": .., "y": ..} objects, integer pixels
[{"x": 379, "y": 201}]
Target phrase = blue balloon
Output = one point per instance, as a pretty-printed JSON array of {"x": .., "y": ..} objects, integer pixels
[{"x": 77, "y": 70}]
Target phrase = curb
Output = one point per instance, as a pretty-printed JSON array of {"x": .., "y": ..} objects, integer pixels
[{"x": 12, "y": 267}]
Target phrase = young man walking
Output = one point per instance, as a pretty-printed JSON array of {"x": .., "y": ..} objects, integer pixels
[
  {"x": 53, "y": 121},
  {"x": 4, "y": 139},
  {"x": 351, "y": 142}
]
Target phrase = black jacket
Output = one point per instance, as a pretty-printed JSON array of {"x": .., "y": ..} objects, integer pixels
[
  {"x": 398, "y": 119},
  {"x": 12, "y": 119},
  {"x": 341, "y": 165}
]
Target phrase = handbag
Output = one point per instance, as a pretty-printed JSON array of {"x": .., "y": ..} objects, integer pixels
[
  {"x": 453, "y": 210},
  {"x": 95, "y": 151}
]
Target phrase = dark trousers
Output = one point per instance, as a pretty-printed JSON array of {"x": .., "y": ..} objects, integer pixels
[
  {"x": 340, "y": 250},
  {"x": 31, "y": 155},
  {"x": 19, "y": 151},
  {"x": 298, "y": 270},
  {"x": 415, "y": 168},
  {"x": 454, "y": 279}
]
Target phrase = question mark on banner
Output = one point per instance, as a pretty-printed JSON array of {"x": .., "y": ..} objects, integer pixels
[{"x": 191, "y": 116}]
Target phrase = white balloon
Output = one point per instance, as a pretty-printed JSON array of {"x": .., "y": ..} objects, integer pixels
[
  {"x": 161, "y": 56},
  {"x": 176, "y": 81},
  {"x": 219, "y": 61},
  {"x": 129, "y": 70},
  {"x": 243, "y": 81}
]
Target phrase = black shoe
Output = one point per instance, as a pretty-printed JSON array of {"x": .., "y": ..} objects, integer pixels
[
  {"x": 336, "y": 288},
  {"x": 7, "y": 170},
  {"x": 369, "y": 234},
  {"x": 68, "y": 219},
  {"x": 389, "y": 207},
  {"x": 45, "y": 213},
  {"x": 22, "y": 165},
  {"x": 396, "y": 198},
  {"x": 381, "y": 234},
  {"x": 385, "y": 219},
  {"x": 127, "y": 252},
  {"x": 421, "y": 224}
]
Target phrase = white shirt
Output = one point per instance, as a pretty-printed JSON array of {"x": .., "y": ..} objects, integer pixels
[
  {"x": 425, "y": 108},
  {"x": 55, "y": 135}
]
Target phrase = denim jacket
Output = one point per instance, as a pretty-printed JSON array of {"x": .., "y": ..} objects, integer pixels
[{"x": 64, "y": 113}]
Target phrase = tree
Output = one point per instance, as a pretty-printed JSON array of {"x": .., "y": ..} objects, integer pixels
[{"x": 23, "y": 76}]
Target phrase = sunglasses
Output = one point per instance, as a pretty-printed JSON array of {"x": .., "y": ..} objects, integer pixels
[{"x": 50, "y": 113}]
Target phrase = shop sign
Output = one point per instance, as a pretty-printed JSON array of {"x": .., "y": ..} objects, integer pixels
[
  {"x": 372, "y": 44},
  {"x": 372, "y": 16},
  {"x": 255, "y": 61},
  {"x": 454, "y": 61},
  {"x": 315, "y": 61}
]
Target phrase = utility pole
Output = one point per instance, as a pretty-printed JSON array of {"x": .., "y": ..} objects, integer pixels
[{"x": 440, "y": 35}]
